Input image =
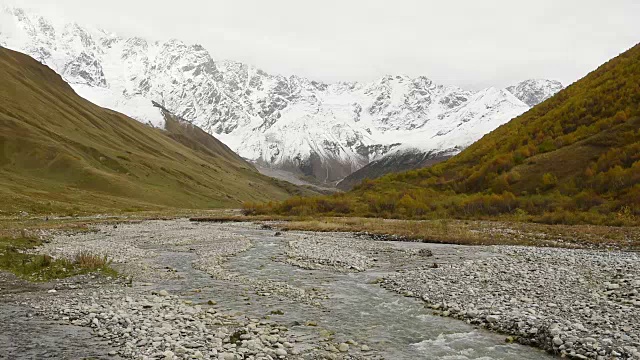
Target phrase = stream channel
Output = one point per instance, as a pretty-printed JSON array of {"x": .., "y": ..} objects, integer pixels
[{"x": 356, "y": 309}]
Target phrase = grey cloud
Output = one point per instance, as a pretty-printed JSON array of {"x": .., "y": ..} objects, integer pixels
[{"x": 467, "y": 43}]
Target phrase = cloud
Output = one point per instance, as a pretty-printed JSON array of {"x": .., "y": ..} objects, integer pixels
[{"x": 467, "y": 43}]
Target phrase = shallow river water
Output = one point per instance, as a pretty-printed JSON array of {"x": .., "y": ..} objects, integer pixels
[{"x": 356, "y": 308}]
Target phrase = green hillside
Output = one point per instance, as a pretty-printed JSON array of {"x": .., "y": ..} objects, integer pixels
[
  {"x": 574, "y": 158},
  {"x": 59, "y": 153}
]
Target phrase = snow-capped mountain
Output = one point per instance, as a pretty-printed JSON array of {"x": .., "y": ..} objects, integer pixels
[
  {"x": 533, "y": 92},
  {"x": 324, "y": 130},
  {"x": 482, "y": 113}
]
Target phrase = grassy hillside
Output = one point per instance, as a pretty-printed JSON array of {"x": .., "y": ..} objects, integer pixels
[
  {"x": 59, "y": 153},
  {"x": 574, "y": 158}
]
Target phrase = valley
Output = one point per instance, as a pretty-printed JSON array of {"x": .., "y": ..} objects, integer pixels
[
  {"x": 159, "y": 201},
  {"x": 312, "y": 129},
  {"x": 574, "y": 159},
  {"x": 62, "y": 154},
  {"x": 319, "y": 295}
]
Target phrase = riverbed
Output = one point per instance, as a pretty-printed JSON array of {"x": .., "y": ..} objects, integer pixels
[{"x": 292, "y": 295}]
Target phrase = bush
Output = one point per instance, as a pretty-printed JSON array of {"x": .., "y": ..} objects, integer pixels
[
  {"x": 549, "y": 181},
  {"x": 587, "y": 199}
]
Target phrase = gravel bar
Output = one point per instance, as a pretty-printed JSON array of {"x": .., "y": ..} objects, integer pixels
[{"x": 580, "y": 304}]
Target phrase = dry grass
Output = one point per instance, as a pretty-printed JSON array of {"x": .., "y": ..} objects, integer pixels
[
  {"x": 435, "y": 231},
  {"x": 36, "y": 225},
  {"x": 16, "y": 257},
  {"x": 464, "y": 232},
  {"x": 431, "y": 231},
  {"x": 89, "y": 261}
]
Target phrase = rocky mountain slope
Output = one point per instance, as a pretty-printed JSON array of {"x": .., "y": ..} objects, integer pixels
[
  {"x": 397, "y": 161},
  {"x": 311, "y": 128},
  {"x": 533, "y": 92},
  {"x": 59, "y": 153},
  {"x": 574, "y": 158},
  {"x": 482, "y": 113}
]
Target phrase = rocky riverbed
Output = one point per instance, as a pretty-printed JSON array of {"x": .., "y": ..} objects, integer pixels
[
  {"x": 575, "y": 303},
  {"x": 244, "y": 291},
  {"x": 161, "y": 325},
  {"x": 326, "y": 251}
]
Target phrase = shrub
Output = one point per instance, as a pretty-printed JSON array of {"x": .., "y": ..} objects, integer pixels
[
  {"x": 546, "y": 146},
  {"x": 587, "y": 199},
  {"x": 549, "y": 181}
]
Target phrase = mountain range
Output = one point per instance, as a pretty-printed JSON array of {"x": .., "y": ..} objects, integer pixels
[
  {"x": 61, "y": 154},
  {"x": 575, "y": 158},
  {"x": 322, "y": 131}
]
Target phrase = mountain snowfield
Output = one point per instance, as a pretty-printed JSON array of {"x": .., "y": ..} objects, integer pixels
[{"x": 326, "y": 131}]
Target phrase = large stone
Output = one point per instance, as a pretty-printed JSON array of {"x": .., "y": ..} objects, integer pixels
[
  {"x": 612, "y": 286},
  {"x": 281, "y": 352},
  {"x": 227, "y": 356}
]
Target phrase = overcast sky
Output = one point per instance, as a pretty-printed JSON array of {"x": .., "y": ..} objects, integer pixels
[{"x": 470, "y": 43}]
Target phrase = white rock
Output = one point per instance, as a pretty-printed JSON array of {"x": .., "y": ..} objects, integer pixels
[
  {"x": 227, "y": 356},
  {"x": 281, "y": 352}
]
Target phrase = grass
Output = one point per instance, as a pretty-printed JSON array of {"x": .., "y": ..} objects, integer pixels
[
  {"x": 441, "y": 231},
  {"x": 89, "y": 261},
  {"x": 461, "y": 232},
  {"x": 15, "y": 258},
  {"x": 20, "y": 235}
]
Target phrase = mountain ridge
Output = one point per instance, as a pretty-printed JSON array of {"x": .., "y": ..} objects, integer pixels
[
  {"x": 315, "y": 129},
  {"x": 574, "y": 158},
  {"x": 59, "y": 153}
]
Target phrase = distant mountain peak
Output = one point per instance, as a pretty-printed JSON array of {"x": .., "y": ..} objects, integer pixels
[
  {"x": 535, "y": 91},
  {"x": 289, "y": 122}
]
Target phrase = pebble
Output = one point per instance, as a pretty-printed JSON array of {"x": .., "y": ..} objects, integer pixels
[
  {"x": 319, "y": 251},
  {"x": 147, "y": 323},
  {"x": 573, "y": 302},
  {"x": 281, "y": 352}
]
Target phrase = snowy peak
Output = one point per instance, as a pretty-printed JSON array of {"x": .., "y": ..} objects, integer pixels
[
  {"x": 533, "y": 92},
  {"x": 289, "y": 122},
  {"x": 460, "y": 126}
]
